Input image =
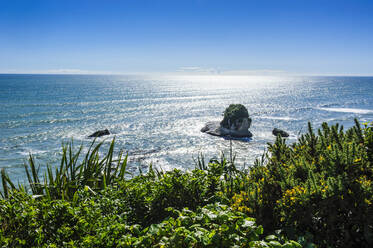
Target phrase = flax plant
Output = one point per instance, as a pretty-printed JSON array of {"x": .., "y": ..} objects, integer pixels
[{"x": 73, "y": 172}]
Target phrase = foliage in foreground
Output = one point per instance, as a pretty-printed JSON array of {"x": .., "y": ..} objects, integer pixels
[
  {"x": 316, "y": 190},
  {"x": 319, "y": 187},
  {"x": 73, "y": 173},
  {"x": 157, "y": 209},
  {"x": 87, "y": 223}
]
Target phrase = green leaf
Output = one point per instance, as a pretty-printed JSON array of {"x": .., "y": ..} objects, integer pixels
[
  {"x": 248, "y": 223},
  {"x": 270, "y": 237}
]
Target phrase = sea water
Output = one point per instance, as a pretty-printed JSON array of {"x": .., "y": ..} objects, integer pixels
[{"x": 157, "y": 119}]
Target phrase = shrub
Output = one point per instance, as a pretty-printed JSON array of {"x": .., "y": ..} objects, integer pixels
[
  {"x": 98, "y": 220},
  {"x": 319, "y": 187}
]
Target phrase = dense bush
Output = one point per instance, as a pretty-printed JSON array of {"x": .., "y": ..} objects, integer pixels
[
  {"x": 317, "y": 190},
  {"x": 101, "y": 220},
  {"x": 320, "y": 187}
]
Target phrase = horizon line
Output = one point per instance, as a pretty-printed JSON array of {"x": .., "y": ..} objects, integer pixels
[{"x": 184, "y": 74}]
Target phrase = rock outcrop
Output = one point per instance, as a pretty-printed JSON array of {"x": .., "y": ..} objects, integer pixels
[
  {"x": 280, "y": 132},
  {"x": 99, "y": 133},
  {"x": 236, "y": 123}
]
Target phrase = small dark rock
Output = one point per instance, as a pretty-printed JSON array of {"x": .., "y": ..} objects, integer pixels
[
  {"x": 280, "y": 132},
  {"x": 99, "y": 133}
]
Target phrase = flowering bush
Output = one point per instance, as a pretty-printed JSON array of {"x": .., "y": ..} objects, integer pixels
[{"x": 319, "y": 187}]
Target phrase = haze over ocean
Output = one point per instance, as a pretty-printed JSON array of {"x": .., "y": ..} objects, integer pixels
[{"x": 158, "y": 119}]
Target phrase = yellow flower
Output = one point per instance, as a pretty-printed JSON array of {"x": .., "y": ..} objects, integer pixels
[
  {"x": 329, "y": 147},
  {"x": 357, "y": 160}
]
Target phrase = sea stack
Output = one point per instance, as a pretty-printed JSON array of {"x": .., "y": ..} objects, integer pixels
[{"x": 236, "y": 123}]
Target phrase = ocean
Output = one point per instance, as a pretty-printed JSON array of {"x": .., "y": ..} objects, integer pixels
[{"x": 157, "y": 119}]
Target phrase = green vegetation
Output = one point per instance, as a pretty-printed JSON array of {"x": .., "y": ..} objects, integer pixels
[
  {"x": 319, "y": 188},
  {"x": 73, "y": 174},
  {"x": 233, "y": 113},
  {"x": 317, "y": 191}
]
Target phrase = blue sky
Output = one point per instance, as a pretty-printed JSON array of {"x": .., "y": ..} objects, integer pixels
[{"x": 323, "y": 37}]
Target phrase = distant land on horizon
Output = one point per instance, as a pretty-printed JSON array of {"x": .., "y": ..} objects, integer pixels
[{"x": 191, "y": 74}]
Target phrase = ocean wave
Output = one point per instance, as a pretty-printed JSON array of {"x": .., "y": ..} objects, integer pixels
[
  {"x": 282, "y": 118},
  {"x": 31, "y": 151},
  {"x": 33, "y": 122},
  {"x": 349, "y": 110},
  {"x": 95, "y": 103}
]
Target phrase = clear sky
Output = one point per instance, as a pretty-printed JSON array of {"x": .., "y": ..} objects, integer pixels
[{"x": 219, "y": 36}]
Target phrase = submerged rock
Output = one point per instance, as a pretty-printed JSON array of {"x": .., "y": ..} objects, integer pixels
[
  {"x": 99, "y": 133},
  {"x": 236, "y": 123},
  {"x": 280, "y": 132}
]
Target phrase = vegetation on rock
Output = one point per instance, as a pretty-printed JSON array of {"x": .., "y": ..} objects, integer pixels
[{"x": 233, "y": 113}]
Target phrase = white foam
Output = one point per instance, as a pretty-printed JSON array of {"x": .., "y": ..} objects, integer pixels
[
  {"x": 284, "y": 118},
  {"x": 31, "y": 151},
  {"x": 348, "y": 110},
  {"x": 161, "y": 164}
]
